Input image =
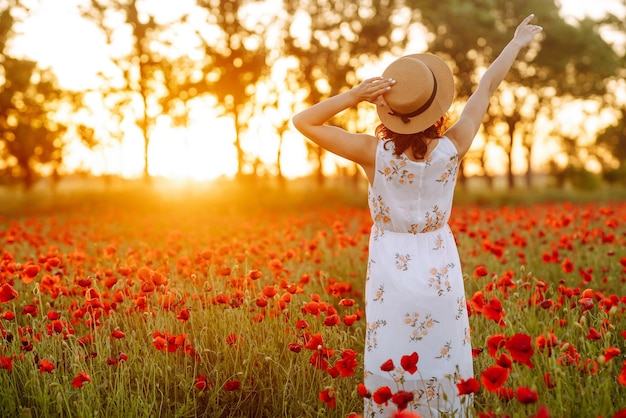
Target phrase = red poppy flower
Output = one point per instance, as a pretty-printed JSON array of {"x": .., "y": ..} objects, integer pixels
[
  {"x": 480, "y": 271},
  {"x": 546, "y": 341},
  {"x": 567, "y": 265},
  {"x": 30, "y": 310},
  {"x": 29, "y": 272},
  {"x": 8, "y": 315},
  {"x": 201, "y": 382},
  {"x": 409, "y": 363},
  {"x": 232, "y": 339},
  {"x": 493, "y": 311},
  {"x": 45, "y": 366},
  {"x": 80, "y": 379},
  {"x": 611, "y": 352},
  {"x": 183, "y": 315},
  {"x": 6, "y": 363},
  {"x": 505, "y": 361},
  {"x": 387, "y": 366},
  {"x": 328, "y": 397},
  {"x": 525, "y": 395},
  {"x": 621, "y": 379},
  {"x": 543, "y": 412},
  {"x": 295, "y": 347},
  {"x": 363, "y": 392},
  {"x": 402, "y": 399},
  {"x": 593, "y": 334},
  {"x": 521, "y": 348},
  {"x": 332, "y": 320},
  {"x": 7, "y": 293},
  {"x": 269, "y": 291},
  {"x": 495, "y": 342},
  {"x": 117, "y": 334},
  {"x": 549, "y": 380},
  {"x": 468, "y": 386},
  {"x": 232, "y": 385},
  {"x": 348, "y": 363},
  {"x": 494, "y": 377},
  {"x": 348, "y": 320},
  {"x": 382, "y": 395},
  {"x": 255, "y": 274},
  {"x": 314, "y": 342}
]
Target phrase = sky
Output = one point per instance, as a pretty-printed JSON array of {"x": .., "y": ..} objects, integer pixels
[{"x": 57, "y": 37}]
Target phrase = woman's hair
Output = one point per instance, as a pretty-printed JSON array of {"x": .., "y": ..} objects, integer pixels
[{"x": 417, "y": 141}]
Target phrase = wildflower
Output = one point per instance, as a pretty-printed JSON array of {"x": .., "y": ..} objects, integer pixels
[
  {"x": 30, "y": 310},
  {"x": 232, "y": 385},
  {"x": 348, "y": 363},
  {"x": 525, "y": 395},
  {"x": 80, "y": 379},
  {"x": 468, "y": 386},
  {"x": 402, "y": 398},
  {"x": 494, "y": 377},
  {"x": 201, "y": 382},
  {"x": 6, "y": 363},
  {"x": 295, "y": 347},
  {"x": 332, "y": 320},
  {"x": 232, "y": 339},
  {"x": 549, "y": 380},
  {"x": 409, "y": 363},
  {"x": 609, "y": 353},
  {"x": 495, "y": 342},
  {"x": 45, "y": 366},
  {"x": 255, "y": 274},
  {"x": 348, "y": 320},
  {"x": 363, "y": 392},
  {"x": 387, "y": 366},
  {"x": 8, "y": 315},
  {"x": 542, "y": 412},
  {"x": 269, "y": 291},
  {"x": 521, "y": 349},
  {"x": 621, "y": 379},
  {"x": 567, "y": 265},
  {"x": 117, "y": 334},
  {"x": 29, "y": 271},
  {"x": 480, "y": 271},
  {"x": 382, "y": 395},
  {"x": 593, "y": 334},
  {"x": 493, "y": 310},
  {"x": 328, "y": 397},
  {"x": 7, "y": 293}
]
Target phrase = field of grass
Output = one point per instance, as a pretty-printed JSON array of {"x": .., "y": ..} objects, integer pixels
[{"x": 248, "y": 302}]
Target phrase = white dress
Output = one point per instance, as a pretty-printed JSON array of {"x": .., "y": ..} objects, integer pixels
[{"x": 415, "y": 297}]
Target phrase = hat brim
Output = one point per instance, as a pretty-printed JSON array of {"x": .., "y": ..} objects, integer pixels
[{"x": 440, "y": 105}]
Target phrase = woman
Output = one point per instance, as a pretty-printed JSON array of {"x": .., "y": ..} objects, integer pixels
[{"x": 414, "y": 293}]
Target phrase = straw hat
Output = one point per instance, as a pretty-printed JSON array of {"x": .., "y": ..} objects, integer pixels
[{"x": 423, "y": 93}]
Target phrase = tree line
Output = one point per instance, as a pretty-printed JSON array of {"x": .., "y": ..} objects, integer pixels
[{"x": 232, "y": 47}]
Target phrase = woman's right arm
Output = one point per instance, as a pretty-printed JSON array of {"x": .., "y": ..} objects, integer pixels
[{"x": 462, "y": 133}]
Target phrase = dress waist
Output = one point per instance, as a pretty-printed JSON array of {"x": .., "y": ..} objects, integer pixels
[{"x": 377, "y": 230}]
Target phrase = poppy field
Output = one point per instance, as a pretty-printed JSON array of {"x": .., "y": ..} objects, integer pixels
[{"x": 183, "y": 307}]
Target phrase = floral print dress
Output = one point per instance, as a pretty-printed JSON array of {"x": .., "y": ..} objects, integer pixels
[{"x": 417, "y": 344}]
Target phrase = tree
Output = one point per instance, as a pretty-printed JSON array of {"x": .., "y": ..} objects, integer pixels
[
  {"x": 569, "y": 60},
  {"x": 139, "y": 85},
  {"x": 331, "y": 40},
  {"x": 29, "y": 98}
]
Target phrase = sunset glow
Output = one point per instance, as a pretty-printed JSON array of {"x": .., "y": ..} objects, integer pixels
[{"x": 57, "y": 37}]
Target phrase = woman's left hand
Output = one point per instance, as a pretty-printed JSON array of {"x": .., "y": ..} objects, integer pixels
[{"x": 371, "y": 89}]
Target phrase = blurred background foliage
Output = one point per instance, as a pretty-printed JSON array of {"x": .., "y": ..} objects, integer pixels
[{"x": 277, "y": 56}]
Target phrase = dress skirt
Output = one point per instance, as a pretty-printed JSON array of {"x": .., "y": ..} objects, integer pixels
[{"x": 415, "y": 309}]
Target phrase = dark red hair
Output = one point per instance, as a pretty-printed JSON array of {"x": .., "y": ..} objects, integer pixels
[{"x": 418, "y": 142}]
